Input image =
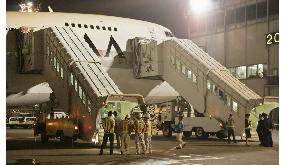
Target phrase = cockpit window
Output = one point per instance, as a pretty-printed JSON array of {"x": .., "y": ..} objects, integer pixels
[
  {"x": 85, "y": 26},
  {"x": 66, "y": 24},
  {"x": 79, "y": 25},
  {"x": 98, "y": 27},
  {"x": 109, "y": 28},
  {"x": 169, "y": 34},
  {"x": 104, "y": 28},
  {"x": 72, "y": 24},
  {"x": 92, "y": 26}
]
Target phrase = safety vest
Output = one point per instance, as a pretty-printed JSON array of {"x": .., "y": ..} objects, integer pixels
[
  {"x": 230, "y": 123},
  {"x": 148, "y": 127},
  {"x": 125, "y": 126},
  {"x": 109, "y": 125},
  {"x": 139, "y": 126}
]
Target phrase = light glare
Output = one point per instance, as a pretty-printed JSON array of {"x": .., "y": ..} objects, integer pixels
[{"x": 200, "y": 6}]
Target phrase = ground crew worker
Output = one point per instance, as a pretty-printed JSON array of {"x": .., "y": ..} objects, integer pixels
[
  {"x": 125, "y": 134},
  {"x": 139, "y": 134},
  {"x": 148, "y": 133},
  {"x": 179, "y": 130},
  {"x": 247, "y": 128},
  {"x": 117, "y": 128},
  {"x": 108, "y": 126},
  {"x": 231, "y": 127}
]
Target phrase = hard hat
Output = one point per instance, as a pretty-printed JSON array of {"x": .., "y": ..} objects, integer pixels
[
  {"x": 127, "y": 116},
  {"x": 147, "y": 116}
]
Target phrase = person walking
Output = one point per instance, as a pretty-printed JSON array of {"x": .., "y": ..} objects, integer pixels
[
  {"x": 148, "y": 133},
  {"x": 139, "y": 134},
  {"x": 125, "y": 135},
  {"x": 117, "y": 129},
  {"x": 231, "y": 127},
  {"x": 247, "y": 128},
  {"x": 179, "y": 129},
  {"x": 108, "y": 126}
]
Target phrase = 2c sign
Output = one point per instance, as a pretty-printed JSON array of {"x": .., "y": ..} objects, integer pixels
[{"x": 272, "y": 38}]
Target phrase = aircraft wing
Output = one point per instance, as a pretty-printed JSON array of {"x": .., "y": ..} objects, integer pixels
[{"x": 35, "y": 95}]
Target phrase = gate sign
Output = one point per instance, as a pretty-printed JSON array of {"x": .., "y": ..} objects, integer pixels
[{"x": 272, "y": 38}]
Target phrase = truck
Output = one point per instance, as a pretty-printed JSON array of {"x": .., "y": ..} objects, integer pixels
[
  {"x": 201, "y": 126},
  {"x": 56, "y": 125}
]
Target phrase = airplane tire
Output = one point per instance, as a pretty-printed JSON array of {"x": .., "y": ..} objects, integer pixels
[
  {"x": 187, "y": 134},
  {"x": 199, "y": 133}
]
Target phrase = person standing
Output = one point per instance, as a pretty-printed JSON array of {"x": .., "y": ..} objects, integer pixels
[
  {"x": 267, "y": 131},
  {"x": 148, "y": 133},
  {"x": 117, "y": 128},
  {"x": 139, "y": 134},
  {"x": 125, "y": 134},
  {"x": 231, "y": 127},
  {"x": 247, "y": 128},
  {"x": 259, "y": 129},
  {"x": 108, "y": 126},
  {"x": 179, "y": 129}
]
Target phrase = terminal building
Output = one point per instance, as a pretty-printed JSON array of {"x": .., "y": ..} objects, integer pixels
[{"x": 242, "y": 35}]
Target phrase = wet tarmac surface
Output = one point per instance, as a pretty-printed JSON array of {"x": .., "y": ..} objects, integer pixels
[{"x": 24, "y": 149}]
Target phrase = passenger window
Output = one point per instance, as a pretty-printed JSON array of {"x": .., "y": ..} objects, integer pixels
[
  {"x": 109, "y": 28},
  {"x": 173, "y": 60},
  {"x": 189, "y": 74},
  {"x": 98, "y": 27},
  {"x": 79, "y": 25},
  {"x": 194, "y": 78},
  {"x": 104, "y": 28},
  {"x": 115, "y": 29},
  {"x": 66, "y": 24},
  {"x": 235, "y": 106},
  {"x": 208, "y": 85},
  {"x": 54, "y": 62},
  {"x": 183, "y": 69},
  {"x": 92, "y": 26},
  {"x": 80, "y": 91},
  {"x": 228, "y": 100},
  {"x": 72, "y": 24},
  {"x": 85, "y": 26},
  {"x": 61, "y": 73},
  {"x": 84, "y": 97},
  {"x": 71, "y": 79},
  {"x": 89, "y": 105},
  {"x": 75, "y": 85},
  {"x": 57, "y": 67},
  {"x": 178, "y": 64}
]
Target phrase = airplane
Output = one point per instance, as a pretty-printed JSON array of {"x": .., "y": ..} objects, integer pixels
[
  {"x": 107, "y": 29},
  {"x": 111, "y": 34}
]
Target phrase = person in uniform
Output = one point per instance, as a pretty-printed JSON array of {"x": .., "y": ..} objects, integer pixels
[
  {"x": 139, "y": 134},
  {"x": 148, "y": 133},
  {"x": 117, "y": 128},
  {"x": 267, "y": 131},
  {"x": 231, "y": 127},
  {"x": 259, "y": 129},
  {"x": 247, "y": 128},
  {"x": 125, "y": 134},
  {"x": 108, "y": 127},
  {"x": 179, "y": 130}
]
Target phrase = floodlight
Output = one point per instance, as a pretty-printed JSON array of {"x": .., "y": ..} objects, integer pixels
[{"x": 200, "y": 6}]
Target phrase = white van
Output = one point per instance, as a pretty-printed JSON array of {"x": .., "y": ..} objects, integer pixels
[
  {"x": 15, "y": 122},
  {"x": 29, "y": 122}
]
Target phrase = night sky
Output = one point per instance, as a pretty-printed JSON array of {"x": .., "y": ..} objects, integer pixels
[{"x": 169, "y": 13}]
